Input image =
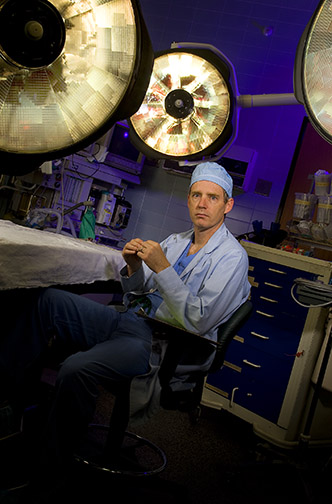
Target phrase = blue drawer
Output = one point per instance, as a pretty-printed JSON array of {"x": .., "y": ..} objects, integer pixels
[
  {"x": 278, "y": 299},
  {"x": 279, "y": 335},
  {"x": 273, "y": 284},
  {"x": 254, "y": 381},
  {"x": 238, "y": 353},
  {"x": 276, "y": 273},
  {"x": 269, "y": 339}
]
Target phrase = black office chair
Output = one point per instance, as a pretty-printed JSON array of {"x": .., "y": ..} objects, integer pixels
[
  {"x": 127, "y": 454},
  {"x": 190, "y": 400}
]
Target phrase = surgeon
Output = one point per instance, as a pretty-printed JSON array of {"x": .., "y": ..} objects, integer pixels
[{"x": 195, "y": 279}]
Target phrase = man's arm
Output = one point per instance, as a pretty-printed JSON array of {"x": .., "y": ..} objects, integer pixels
[{"x": 201, "y": 306}]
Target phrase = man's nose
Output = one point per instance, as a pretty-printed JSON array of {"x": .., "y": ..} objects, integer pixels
[{"x": 202, "y": 202}]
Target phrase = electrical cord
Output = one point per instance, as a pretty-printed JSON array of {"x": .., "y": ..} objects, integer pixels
[
  {"x": 74, "y": 169},
  {"x": 315, "y": 287}
]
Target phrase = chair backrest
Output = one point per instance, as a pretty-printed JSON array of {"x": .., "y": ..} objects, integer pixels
[
  {"x": 177, "y": 347},
  {"x": 227, "y": 331}
]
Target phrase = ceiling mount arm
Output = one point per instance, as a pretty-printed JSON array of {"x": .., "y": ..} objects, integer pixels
[{"x": 266, "y": 100}]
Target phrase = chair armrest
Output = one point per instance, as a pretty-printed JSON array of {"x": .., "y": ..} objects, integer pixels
[{"x": 166, "y": 330}]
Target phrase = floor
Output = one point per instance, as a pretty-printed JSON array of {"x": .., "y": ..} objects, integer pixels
[{"x": 218, "y": 460}]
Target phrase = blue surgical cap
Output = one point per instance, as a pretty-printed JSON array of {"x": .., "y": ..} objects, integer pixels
[{"x": 213, "y": 172}]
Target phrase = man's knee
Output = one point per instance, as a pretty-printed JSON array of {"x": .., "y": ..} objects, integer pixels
[
  {"x": 49, "y": 297},
  {"x": 71, "y": 369}
]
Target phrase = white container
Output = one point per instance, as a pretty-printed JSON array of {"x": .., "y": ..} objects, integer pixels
[
  {"x": 324, "y": 209},
  {"x": 322, "y": 182},
  {"x": 105, "y": 208},
  {"x": 304, "y": 206}
]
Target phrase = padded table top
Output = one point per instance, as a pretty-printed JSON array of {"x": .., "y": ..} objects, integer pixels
[{"x": 35, "y": 258}]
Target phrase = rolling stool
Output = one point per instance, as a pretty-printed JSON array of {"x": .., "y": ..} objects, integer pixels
[
  {"x": 107, "y": 452},
  {"x": 114, "y": 450}
]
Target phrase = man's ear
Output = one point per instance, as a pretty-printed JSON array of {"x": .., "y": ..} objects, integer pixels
[{"x": 229, "y": 205}]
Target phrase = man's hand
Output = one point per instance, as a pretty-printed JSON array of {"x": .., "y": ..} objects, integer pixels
[
  {"x": 137, "y": 250},
  {"x": 129, "y": 253},
  {"x": 153, "y": 256}
]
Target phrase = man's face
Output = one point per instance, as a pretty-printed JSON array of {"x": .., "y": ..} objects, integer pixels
[{"x": 207, "y": 207}]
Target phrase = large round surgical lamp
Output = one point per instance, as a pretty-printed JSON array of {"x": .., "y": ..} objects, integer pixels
[
  {"x": 188, "y": 109},
  {"x": 190, "y": 112},
  {"x": 68, "y": 71},
  {"x": 313, "y": 70}
]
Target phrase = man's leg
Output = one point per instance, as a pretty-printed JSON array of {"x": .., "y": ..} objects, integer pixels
[
  {"x": 77, "y": 388},
  {"x": 18, "y": 347},
  {"x": 112, "y": 347},
  {"x": 72, "y": 321}
]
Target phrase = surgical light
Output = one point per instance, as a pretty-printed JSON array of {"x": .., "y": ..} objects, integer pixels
[
  {"x": 68, "y": 71},
  {"x": 313, "y": 70},
  {"x": 191, "y": 110},
  {"x": 188, "y": 107}
]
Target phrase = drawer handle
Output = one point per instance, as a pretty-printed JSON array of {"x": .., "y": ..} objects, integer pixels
[
  {"x": 264, "y": 314},
  {"x": 232, "y": 396},
  {"x": 245, "y": 361},
  {"x": 259, "y": 335},
  {"x": 273, "y": 285},
  {"x": 277, "y": 271},
  {"x": 268, "y": 299}
]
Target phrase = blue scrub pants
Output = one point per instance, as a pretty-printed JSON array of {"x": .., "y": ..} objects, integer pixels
[{"x": 104, "y": 347}]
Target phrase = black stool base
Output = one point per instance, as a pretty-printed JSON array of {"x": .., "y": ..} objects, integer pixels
[{"x": 138, "y": 457}]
